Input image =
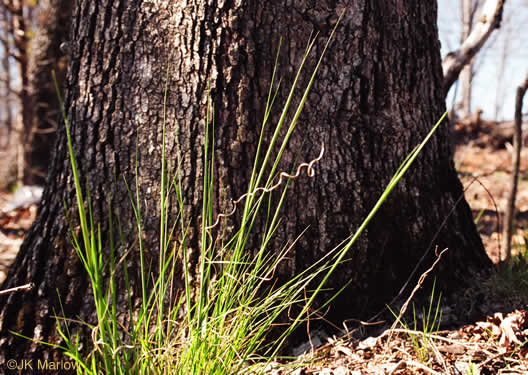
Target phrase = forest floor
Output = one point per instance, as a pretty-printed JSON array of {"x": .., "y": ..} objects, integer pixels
[
  {"x": 14, "y": 224},
  {"x": 493, "y": 345},
  {"x": 497, "y": 343}
]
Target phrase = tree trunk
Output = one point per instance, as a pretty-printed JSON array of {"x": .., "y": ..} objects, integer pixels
[
  {"x": 46, "y": 56},
  {"x": 376, "y": 97},
  {"x": 9, "y": 152},
  {"x": 489, "y": 19},
  {"x": 466, "y": 75},
  {"x": 21, "y": 41},
  {"x": 6, "y": 78}
]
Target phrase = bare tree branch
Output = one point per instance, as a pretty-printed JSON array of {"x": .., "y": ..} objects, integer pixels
[{"x": 488, "y": 21}]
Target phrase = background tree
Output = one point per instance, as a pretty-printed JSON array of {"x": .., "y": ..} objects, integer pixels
[
  {"x": 53, "y": 25},
  {"x": 468, "y": 8},
  {"x": 489, "y": 19},
  {"x": 10, "y": 149},
  {"x": 509, "y": 45},
  {"x": 17, "y": 17},
  {"x": 31, "y": 35},
  {"x": 14, "y": 40},
  {"x": 499, "y": 65},
  {"x": 377, "y": 95}
]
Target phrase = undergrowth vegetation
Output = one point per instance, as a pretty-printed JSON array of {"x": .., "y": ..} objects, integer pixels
[
  {"x": 423, "y": 324},
  {"x": 510, "y": 280}
]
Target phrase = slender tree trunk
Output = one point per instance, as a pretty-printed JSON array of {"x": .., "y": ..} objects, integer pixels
[
  {"x": 510, "y": 211},
  {"x": 377, "y": 95},
  {"x": 10, "y": 144},
  {"x": 21, "y": 41},
  {"x": 7, "y": 76},
  {"x": 501, "y": 82},
  {"x": 466, "y": 76}
]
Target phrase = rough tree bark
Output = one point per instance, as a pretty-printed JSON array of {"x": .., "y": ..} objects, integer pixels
[{"x": 376, "y": 97}]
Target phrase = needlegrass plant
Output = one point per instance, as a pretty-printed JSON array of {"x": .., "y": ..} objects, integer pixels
[{"x": 219, "y": 322}]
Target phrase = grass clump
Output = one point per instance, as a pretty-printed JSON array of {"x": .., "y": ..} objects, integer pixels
[{"x": 219, "y": 321}]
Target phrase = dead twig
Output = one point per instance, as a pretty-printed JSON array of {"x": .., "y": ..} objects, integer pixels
[
  {"x": 282, "y": 176},
  {"x": 24, "y": 287}
]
